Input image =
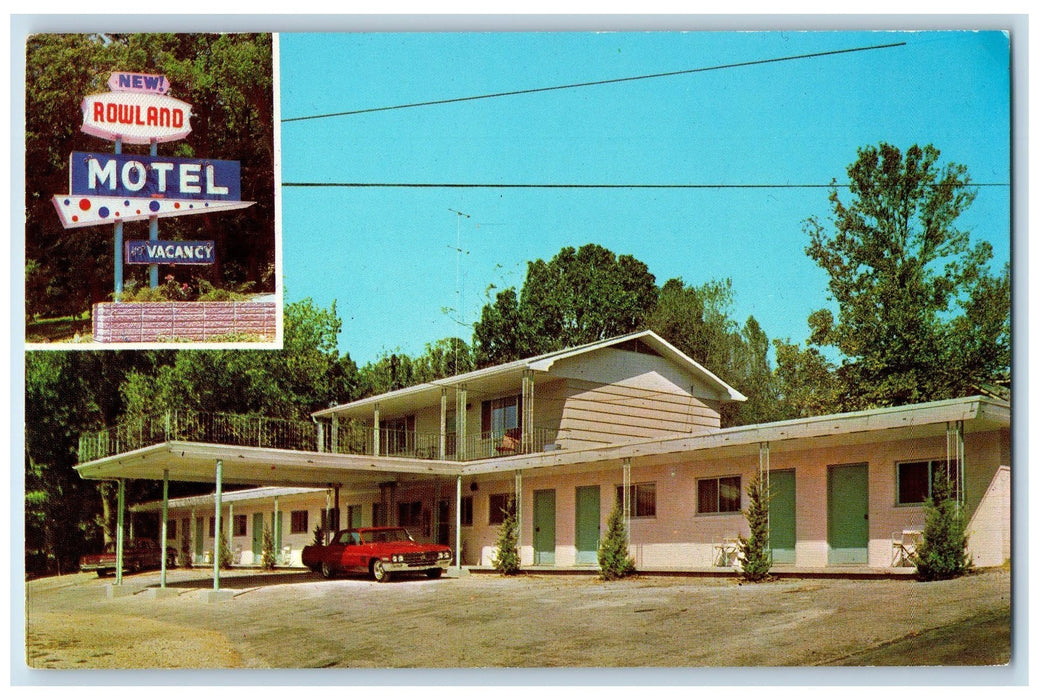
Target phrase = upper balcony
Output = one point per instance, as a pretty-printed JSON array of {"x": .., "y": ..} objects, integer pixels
[{"x": 307, "y": 436}]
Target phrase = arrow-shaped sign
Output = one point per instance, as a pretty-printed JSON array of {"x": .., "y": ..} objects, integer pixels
[{"x": 76, "y": 211}]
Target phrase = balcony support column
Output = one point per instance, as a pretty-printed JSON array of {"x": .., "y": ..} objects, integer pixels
[
  {"x": 461, "y": 429},
  {"x": 458, "y": 522},
  {"x": 320, "y": 435},
  {"x": 442, "y": 452},
  {"x": 527, "y": 416},
  {"x": 335, "y": 434},
  {"x": 216, "y": 523},
  {"x": 375, "y": 431},
  {"x": 120, "y": 507}
]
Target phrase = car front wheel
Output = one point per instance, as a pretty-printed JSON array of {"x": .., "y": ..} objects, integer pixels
[
  {"x": 434, "y": 573},
  {"x": 379, "y": 572},
  {"x": 327, "y": 571}
]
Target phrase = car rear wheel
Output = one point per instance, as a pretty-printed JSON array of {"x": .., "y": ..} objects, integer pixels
[
  {"x": 379, "y": 572},
  {"x": 434, "y": 573},
  {"x": 327, "y": 571}
]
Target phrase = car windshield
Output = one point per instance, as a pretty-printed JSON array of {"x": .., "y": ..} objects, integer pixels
[{"x": 395, "y": 535}]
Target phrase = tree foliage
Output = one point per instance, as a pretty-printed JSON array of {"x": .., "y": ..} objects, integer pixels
[
  {"x": 614, "y": 560},
  {"x": 755, "y": 551},
  {"x": 919, "y": 315},
  {"x": 942, "y": 553},
  {"x": 227, "y": 78},
  {"x": 506, "y": 557}
]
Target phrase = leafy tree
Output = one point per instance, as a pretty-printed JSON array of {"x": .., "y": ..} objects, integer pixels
[
  {"x": 806, "y": 383},
  {"x": 920, "y": 316},
  {"x": 942, "y": 553},
  {"x": 614, "y": 560},
  {"x": 755, "y": 552},
  {"x": 506, "y": 559},
  {"x": 578, "y": 297},
  {"x": 227, "y": 78}
]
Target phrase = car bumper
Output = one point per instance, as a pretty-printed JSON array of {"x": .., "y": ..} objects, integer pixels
[
  {"x": 394, "y": 566},
  {"x": 97, "y": 566}
]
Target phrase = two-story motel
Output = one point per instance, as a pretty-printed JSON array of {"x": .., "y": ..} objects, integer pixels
[{"x": 565, "y": 437}]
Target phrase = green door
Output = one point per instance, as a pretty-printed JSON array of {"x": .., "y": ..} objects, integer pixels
[
  {"x": 257, "y": 537},
  {"x": 782, "y": 516},
  {"x": 545, "y": 528},
  {"x": 847, "y": 507},
  {"x": 199, "y": 524},
  {"x": 587, "y": 531}
]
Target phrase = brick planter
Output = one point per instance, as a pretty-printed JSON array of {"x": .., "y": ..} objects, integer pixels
[{"x": 146, "y": 322}]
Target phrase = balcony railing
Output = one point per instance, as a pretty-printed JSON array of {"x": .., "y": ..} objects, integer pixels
[
  {"x": 195, "y": 426},
  {"x": 285, "y": 434}
]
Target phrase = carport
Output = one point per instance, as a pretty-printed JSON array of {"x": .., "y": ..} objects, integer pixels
[{"x": 222, "y": 465}]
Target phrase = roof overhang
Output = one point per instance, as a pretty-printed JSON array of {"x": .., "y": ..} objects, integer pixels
[{"x": 196, "y": 462}]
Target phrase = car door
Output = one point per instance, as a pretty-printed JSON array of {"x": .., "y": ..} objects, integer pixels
[{"x": 351, "y": 556}]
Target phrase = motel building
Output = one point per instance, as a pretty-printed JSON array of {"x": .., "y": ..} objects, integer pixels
[{"x": 565, "y": 437}]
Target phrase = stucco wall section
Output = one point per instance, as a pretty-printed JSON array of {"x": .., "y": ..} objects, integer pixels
[{"x": 136, "y": 322}]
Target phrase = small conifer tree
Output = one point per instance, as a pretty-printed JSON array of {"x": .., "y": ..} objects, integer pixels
[
  {"x": 755, "y": 552},
  {"x": 614, "y": 560},
  {"x": 267, "y": 549},
  {"x": 507, "y": 560},
  {"x": 185, "y": 550},
  {"x": 319, "y": 536},
  {"x": 226, "y": 556},
  {"x": 942, "y": 553}
]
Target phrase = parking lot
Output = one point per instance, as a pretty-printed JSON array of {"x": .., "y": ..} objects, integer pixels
[{"x": 295, "y": 619}]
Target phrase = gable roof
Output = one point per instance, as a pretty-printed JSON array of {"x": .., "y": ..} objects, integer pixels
[{"x": 544, "y": 363}]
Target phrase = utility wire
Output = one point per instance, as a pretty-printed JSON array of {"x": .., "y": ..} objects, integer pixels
[
  {"x": 593, "y": 83},
  {"x": 596, "y": 186}
]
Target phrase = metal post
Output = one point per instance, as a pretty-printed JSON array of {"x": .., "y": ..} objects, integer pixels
[
  {"x": 163, "y": 527},
  {"x": 458, "y": 523},
  {"x": 276, "y": 530},
  {"x": 460, "y": 424},
  {"x": 216, "y": 524},
  {"x": 442, "y": 452},
  {"x": 626, "y": 497},
  {"x": 527, "y": 416},
  {"x": 328, "y": 516},
  {"x": 519, "y": 511},
  {"x": 153, "y": 233},
  {"x": 375, "y": 431},
  {"x": 120, "y": 505},
  {"x": 320, "y": 436},
  {"x": 118, "y": 228},
  {"x": 764, "y": 482}
]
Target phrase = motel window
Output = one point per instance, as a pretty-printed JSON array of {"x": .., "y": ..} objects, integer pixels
[
  {"x": 642, "y": 500},
  {"x": 916, "y": 479},
  {"x": 239, "y": 526},
  {"x": 501, "y": 417},
  {"x": 502, "y": 504},
  {"x": 212, "y": 527},
  {"x": 300, "y": 522},
  {"x": 409, "y": 514},
  {"x": 171, "y": 529},
  {"x": 467, "y": 511},
  {"x": 718, "y": 495}
]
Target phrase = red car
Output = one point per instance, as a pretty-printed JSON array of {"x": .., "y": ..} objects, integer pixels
[
  {"x": 138, "y": 554},
  {"x": 377, "y": 551}
]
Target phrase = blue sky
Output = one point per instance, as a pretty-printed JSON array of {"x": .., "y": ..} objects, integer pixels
[{"x": 388, "y": 256}]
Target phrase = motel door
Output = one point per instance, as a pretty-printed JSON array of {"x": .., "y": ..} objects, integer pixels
[
  {"x": 257, "y": 537},
  {"x": 199, "y": 524},
  {"x": 545, "y": 528},
  {"x": 847, "y": 507},
  {"x": 586, "y": 514},
  {"x": 444, "y": 522},
  {"x": 782, "y": 516}
]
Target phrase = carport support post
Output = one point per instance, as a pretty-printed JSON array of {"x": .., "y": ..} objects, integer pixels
[
  {"x": 216, "y": 524},
  {"x": 626, "y": 497},
  {"x": 120, "y": 505},
  {"x": 519, "y": 511},
  {"x": 458, "y": 523},
  {"x": 954, "y": 451},
  {"x": 764, "y": 467},
  {"x": 163, "y": 526}
]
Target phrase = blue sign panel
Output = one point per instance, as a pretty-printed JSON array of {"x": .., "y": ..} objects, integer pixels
[
  {"x": 124, "y": 175},
  {"x": 170, "y": 252}
]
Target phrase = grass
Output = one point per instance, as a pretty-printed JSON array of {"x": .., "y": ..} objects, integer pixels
[{"x": 64, "y": 329}]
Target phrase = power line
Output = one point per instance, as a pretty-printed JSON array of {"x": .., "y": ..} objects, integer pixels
[
  {"x": 593, "y": 83},
  {"x": 596, "y": 186}
]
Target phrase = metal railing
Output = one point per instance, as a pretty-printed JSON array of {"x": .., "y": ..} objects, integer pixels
[
  {"x": 279, "y": 433},
  {"x": 195, "y": 426}
]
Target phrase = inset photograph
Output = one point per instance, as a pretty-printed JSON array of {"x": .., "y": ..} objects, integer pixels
[{"x": 150, "y": 191}]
